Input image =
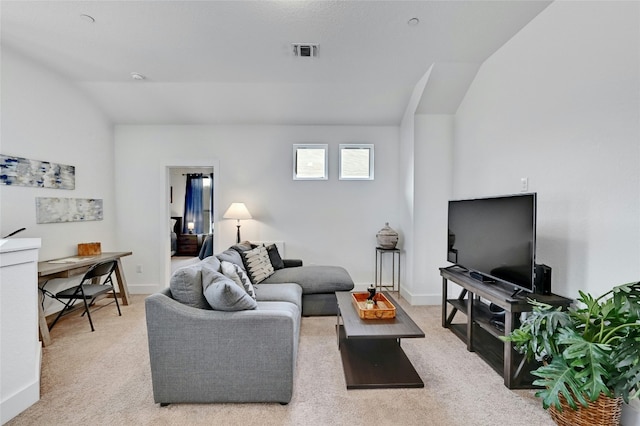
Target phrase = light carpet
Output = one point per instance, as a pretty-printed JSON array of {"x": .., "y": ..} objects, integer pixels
[{"x": 103, "y": 378}]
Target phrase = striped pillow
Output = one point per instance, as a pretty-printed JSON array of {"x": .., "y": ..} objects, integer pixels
[{"x": 257, "y": 264}]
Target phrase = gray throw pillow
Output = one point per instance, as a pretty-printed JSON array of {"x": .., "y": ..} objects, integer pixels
[
  {"x": 211, "y": 262},
  {"x": 243, "y": 246},
  {"x": 186, "y": 287},
  {"x": 232, "y": 256},
  {"x": 223, "y": 294}
]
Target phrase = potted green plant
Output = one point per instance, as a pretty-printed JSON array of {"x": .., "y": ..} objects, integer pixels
[{"x": 590, "y": 349}]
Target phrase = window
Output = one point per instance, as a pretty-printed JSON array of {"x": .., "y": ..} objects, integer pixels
[
  {"x": 310, "y": 162},
  {"x": 356, "y": 161}
]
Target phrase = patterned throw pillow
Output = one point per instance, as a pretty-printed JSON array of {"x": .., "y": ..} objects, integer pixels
[
  {"x": 257, "y": 264},
  {"x": 237, "y": 274}
]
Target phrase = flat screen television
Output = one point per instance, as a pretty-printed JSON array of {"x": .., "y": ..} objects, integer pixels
[{"x": 495, "y": 238}]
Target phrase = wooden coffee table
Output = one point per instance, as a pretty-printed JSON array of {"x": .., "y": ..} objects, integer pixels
[{"x": 370, "y": 349}]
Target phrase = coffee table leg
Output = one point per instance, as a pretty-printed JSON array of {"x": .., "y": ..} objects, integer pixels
[{"x": 338, "y": 328}]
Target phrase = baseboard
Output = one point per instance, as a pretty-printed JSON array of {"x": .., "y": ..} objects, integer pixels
[{"x": 421, "y": 299}]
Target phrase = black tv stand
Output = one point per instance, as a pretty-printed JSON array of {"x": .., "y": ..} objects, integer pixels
[
  {"x": 480, "y": 277},
  {"x": 481, "y": 331},
  {"x": 516, "y": 292},
  {"x": 457, "y": 268}
]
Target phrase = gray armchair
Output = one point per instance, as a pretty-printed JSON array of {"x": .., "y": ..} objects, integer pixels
[{"x": 200, "y": 355}]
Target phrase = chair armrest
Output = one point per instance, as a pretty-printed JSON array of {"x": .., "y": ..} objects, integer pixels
[{"x": 290, "y": 263}]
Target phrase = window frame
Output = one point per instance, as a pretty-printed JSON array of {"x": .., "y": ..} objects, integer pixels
[{"x": 347, "y": 146}]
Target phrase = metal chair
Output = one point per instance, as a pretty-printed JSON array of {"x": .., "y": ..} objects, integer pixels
[{"x": 89, "y": 290}]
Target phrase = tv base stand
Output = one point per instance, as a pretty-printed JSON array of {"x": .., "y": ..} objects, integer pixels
[{"x": 481, "y": 331}]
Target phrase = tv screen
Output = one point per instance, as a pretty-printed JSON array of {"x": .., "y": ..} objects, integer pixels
[{"x": 495, "y": 238}]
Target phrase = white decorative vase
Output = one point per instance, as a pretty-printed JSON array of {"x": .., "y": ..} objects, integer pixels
[{"x": 387, "y": 238}]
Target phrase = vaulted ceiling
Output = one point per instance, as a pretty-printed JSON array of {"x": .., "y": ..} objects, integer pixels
[{"x": 232, "y": 62}]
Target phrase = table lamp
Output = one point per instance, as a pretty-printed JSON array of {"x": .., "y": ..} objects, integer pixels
[
  {"x": 191, "y": 226},
  {"x": 237, "y": 211}
]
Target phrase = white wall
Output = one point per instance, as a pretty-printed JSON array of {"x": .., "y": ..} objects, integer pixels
[
  {"x": 322, "y": 222},
  {"x": 406, "y": 190},
  {"x": 46, "y": 118},
  {"x": 559, "y": 104},
  {"x": 433, "y": 158}
]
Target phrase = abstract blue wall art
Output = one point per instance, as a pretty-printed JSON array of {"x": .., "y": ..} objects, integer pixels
[
  {"x": 58, "y": 210},
  {"x": 24, "y": 172}
]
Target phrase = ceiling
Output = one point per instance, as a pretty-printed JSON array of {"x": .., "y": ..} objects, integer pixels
[{"x": 231, "y": 61}]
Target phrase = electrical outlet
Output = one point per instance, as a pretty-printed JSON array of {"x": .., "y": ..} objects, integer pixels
[
  {"x": 139, "y": 269},
  {"x": 524, "y": 184}
]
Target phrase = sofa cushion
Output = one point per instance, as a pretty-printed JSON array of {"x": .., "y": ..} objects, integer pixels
[
  {"x": 223, "y": 294},
  {"x": 285, "y": 292},
  {"x": 239, "y": 276},
  {"x": 186, "y": 287},
  {"x": 257, "y": 264},
  {"x": 314, "y": 278},
  {"x": 274, "y": 257}
]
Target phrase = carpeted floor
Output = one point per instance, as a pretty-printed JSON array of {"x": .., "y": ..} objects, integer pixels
[{"x": 103, "y": 378}]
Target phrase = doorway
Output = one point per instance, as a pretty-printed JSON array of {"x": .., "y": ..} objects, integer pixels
[{"x": 191, "y": 206}]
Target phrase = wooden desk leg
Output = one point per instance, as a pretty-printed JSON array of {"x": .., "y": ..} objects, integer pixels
[
  {"x": 122, "y": 283},
  {"x": 44, "y": 328}
]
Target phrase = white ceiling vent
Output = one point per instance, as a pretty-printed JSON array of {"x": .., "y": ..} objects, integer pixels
[{"x": 309, "y": 50}]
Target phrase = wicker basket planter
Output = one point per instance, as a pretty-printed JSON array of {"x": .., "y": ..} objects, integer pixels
[
  {"x": 604, "y": 411},
  {"x": 593, "y": 345}
]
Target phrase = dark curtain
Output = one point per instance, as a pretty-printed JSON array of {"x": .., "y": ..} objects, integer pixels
[{"x": 193, "y": 203}]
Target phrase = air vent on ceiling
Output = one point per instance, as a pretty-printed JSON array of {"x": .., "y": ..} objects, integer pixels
[{"x": 308, "y": 50}]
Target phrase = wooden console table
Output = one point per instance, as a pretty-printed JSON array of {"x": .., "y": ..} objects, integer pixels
[
  {"x": 481, "y": 334},
  {"x": 77, "y": 265}
]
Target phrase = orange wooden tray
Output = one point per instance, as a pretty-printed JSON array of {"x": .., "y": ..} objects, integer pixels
[{"x": 383, "y": 308}]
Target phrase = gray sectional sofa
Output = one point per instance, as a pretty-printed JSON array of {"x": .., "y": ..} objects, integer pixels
[
  {"x": 319, "y": 282},
  {"x": 245, "y": 349}
]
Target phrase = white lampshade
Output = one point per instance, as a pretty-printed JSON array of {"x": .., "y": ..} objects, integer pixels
[
  {"x": 237, "y": 211},
  {"x": 191, "y": 226}
]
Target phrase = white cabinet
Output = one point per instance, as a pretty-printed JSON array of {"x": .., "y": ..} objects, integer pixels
[{"x": 20, "y": 349}]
